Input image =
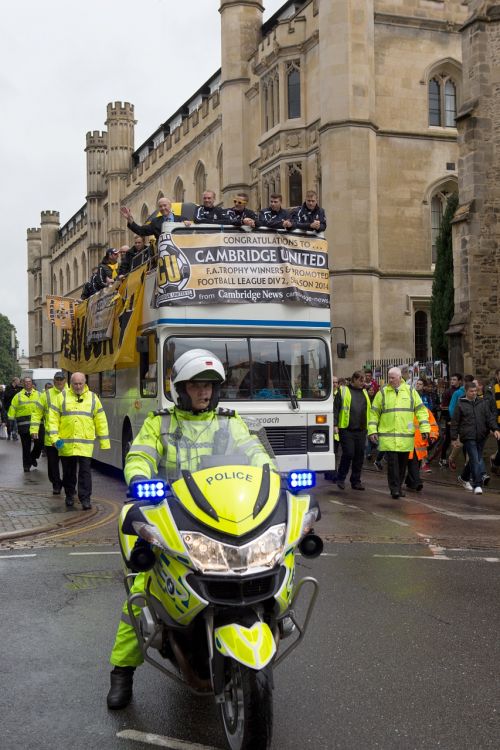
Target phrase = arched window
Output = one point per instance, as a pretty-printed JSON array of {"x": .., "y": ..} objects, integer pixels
[
  {"x": 295, "y": 184},
  {"x": 438, "y": 203},
  {"x": 179, "y": 191},
  {"x": 85, "y": 272},
  {"x": 160, "y": 195},
  {"x": 200, "y": 181},
  {"x": 54, "y": 284},
  {"x": 68, "y": 278},
  {"x": 293, "y": 89},
  {"x": 144, "y": 213},
  {"x": 442, "y": 101},
  {"x": 421, "y": 326},
  {"x": 75, "y": 272},
  {"x": 270, "y": 100},
  {"x": 61, "y": 283}
]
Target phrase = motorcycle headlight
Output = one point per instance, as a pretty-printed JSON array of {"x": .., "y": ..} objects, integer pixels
[{"x": 210, "y": 556}]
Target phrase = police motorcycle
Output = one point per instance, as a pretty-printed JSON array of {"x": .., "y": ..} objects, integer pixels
[{"x": 216, "y": 547}]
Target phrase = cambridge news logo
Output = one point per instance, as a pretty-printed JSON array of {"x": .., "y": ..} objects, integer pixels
[{"x": 173, "y": 273}]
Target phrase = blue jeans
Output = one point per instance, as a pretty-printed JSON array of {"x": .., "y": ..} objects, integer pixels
[{"x": 474, "y": 450}]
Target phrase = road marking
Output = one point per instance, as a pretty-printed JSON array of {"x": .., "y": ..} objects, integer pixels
[
  {"x": 7, "y": 557},
  {"x": 84, "y": 528},
  {"x": 94, "y": 553},
  {"x": 391, "y": 520},
  {"x": 371, "y": 512},
  {"x": 161, "y": 741},
  {"x": 453, "y": 514},
  {"x": 443, "y": 557}
]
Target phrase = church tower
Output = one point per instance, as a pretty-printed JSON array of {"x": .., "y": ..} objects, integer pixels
[
  {"x": 120, "y": 123},
  {"x": 96, "y": 150}
]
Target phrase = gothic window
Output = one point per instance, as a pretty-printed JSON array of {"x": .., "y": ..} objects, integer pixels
[
  {"x": 295, "y": 184},
  {"x": 84, "y": 267},
  {"x": 68, "y": 278},
  {"x": 160, "y": 195},
  {"x": 61, "y": 283},
  {"x": 54, "y": 284},
  {"x": 200, "y": 181},
  {"x": 270, "y": 100},
  {"x": 179, "y": 190},
  {"x": 75, "y": 272},
  {"x": 438, "y": 207},
  {"x": 271, "y": 183},
  {"x": 421, "y": 335},
  {"x": 442, "y": 101},
  {"x": 144, "y": 213},
  {"x": 293, "y": 89}
]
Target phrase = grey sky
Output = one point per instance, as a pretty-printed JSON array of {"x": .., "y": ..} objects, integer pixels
[{"x": 60, "y": 64}]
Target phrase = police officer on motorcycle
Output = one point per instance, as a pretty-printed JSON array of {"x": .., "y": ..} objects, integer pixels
[{"x": 177, "y": 437}]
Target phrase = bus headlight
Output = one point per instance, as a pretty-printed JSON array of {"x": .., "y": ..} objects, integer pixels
[
  {"x": 318, "y": 438},
  {"x": 210, "y": 556}
]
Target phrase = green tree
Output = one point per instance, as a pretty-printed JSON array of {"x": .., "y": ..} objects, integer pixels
[
  {"x": 8, "y": 365},
  {"x": 442, "y": 302}
]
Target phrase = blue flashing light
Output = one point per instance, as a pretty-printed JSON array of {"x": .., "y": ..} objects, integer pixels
[
  {"x": 151, "y": 490},
  {"x": 301, "y": 480}
]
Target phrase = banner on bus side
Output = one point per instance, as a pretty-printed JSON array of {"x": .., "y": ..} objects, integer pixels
[
  {"x": 245, "y": 267},
  {"x": 85, "y": 349},
  {"x": 101, "y": 315},
  {"x": 60, "y": 311}
]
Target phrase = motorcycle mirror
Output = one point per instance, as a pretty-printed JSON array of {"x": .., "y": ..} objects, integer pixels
[{"x": 311, "y": 546}]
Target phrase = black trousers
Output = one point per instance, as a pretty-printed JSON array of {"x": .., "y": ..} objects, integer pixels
[
  {"x": 53, "y": 466},
  {"x": 30, "y": 453},
  {"x": 396, "y": 469},
  {"x": 413, "y": 479},
  {"x": 353, "y": 453},
  {"x": 77, "y": 468}
]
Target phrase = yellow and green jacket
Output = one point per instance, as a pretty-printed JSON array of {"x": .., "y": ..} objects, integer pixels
[
  {"x": 41, "y": 413},
  {"x": 179, "y": 439},
  {"x": 22, "y": 406},
  {"x": 345, "y": 406},
  {"x": 391, "y": 418},
  {"x": 78, "y": 423}
]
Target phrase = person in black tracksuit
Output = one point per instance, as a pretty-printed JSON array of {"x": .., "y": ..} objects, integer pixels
[
  {"x": 309, "y": 217},
  {"x": 274, "y": 217},
  {"x": 208, "y": 212},
  {"x": 240, "y": 215},
  {"x": 152, "y": 226},
  {"x": 129, "y": 255},
  {"x": 472, "y": 421}
]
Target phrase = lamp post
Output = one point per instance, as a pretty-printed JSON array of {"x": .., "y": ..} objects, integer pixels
[{"x": 13, "y": 349}]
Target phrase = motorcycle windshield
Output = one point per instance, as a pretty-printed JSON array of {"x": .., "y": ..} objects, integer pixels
[{"x": 217, "y": 442}]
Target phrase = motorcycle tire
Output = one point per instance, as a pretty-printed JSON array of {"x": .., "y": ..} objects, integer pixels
[{"x": 247, "y": 712}]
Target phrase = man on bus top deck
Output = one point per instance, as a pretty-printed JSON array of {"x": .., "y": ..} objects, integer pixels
[
  {"x": 195, "y": 384},
  {"x": 152, "y": 226}
]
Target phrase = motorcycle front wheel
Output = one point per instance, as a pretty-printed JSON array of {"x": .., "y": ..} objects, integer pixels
[{"x": 247, "y": 711}]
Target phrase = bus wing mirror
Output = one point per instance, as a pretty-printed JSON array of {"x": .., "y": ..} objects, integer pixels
[
  {"x": 142, "y": 344},
  {"x": 342, "y": 350}
]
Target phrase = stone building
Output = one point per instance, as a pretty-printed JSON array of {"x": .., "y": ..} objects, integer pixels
[
  {"x": 355, "y": 98},
  {"x": 474, "y": 331}
]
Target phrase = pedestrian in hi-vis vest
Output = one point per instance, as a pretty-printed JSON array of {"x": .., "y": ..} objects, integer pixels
[
  {"x": 391, "y": 425},
  {"x": 21, "y": 408},
  {"x": 40, "y": 421},
  {"x": 76, "y": 419},
  {"x": 351, "y": 408}
]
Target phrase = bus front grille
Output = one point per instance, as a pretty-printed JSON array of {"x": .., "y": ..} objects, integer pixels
[{"x": 286, "y": 440}]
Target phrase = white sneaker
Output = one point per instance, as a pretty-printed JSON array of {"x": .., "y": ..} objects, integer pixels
[
  {"x": 465, "y": 485},
  {"x": 478, "y": 491}
]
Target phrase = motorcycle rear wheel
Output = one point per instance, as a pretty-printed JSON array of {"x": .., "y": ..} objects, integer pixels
[{"x": 247, "y": 711}]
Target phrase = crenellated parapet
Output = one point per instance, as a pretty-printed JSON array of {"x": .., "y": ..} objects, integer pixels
[
  {"x": 119, "y": 111},
  {"x": 96, "y": 139},
  {"x": 49, "y": 217}
]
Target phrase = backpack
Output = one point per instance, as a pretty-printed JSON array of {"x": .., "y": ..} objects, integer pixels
[{"x": 87, "y": 290}]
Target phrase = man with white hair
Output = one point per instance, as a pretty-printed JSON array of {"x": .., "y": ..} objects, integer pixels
[{"x": 391, "y": 426}]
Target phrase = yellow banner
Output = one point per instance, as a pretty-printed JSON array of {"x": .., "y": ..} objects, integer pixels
[
  {"x": 60, "y": 311},
  {"x": 80, "y": 353}
]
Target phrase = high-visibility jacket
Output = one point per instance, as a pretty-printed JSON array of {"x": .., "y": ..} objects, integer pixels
[
  {"x": 391, "y": 417},
  {"x": 77, "y": 421},
  {"x": 345, "y": 406},
  {"x": 41, "y": 414},
  {"x": 22, "y": 407},
  {"x": 175, "y": 439},
  {"x": 422, "y": 444}
]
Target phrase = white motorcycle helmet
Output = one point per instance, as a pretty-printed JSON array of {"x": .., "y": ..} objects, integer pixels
[{"x": 197, "y": 364}]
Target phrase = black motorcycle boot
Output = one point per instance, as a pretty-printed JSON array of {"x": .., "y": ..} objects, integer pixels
[{"x": 120, "y": 692}]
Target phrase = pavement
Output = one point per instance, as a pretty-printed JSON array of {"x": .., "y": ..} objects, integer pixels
[{"x": 28, "y": 507}]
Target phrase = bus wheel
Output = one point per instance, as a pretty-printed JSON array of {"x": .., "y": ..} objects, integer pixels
[{"x": 127, "y": 439}]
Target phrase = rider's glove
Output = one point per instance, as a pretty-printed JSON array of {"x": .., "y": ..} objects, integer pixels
[{"x": 59, "y": 444}]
